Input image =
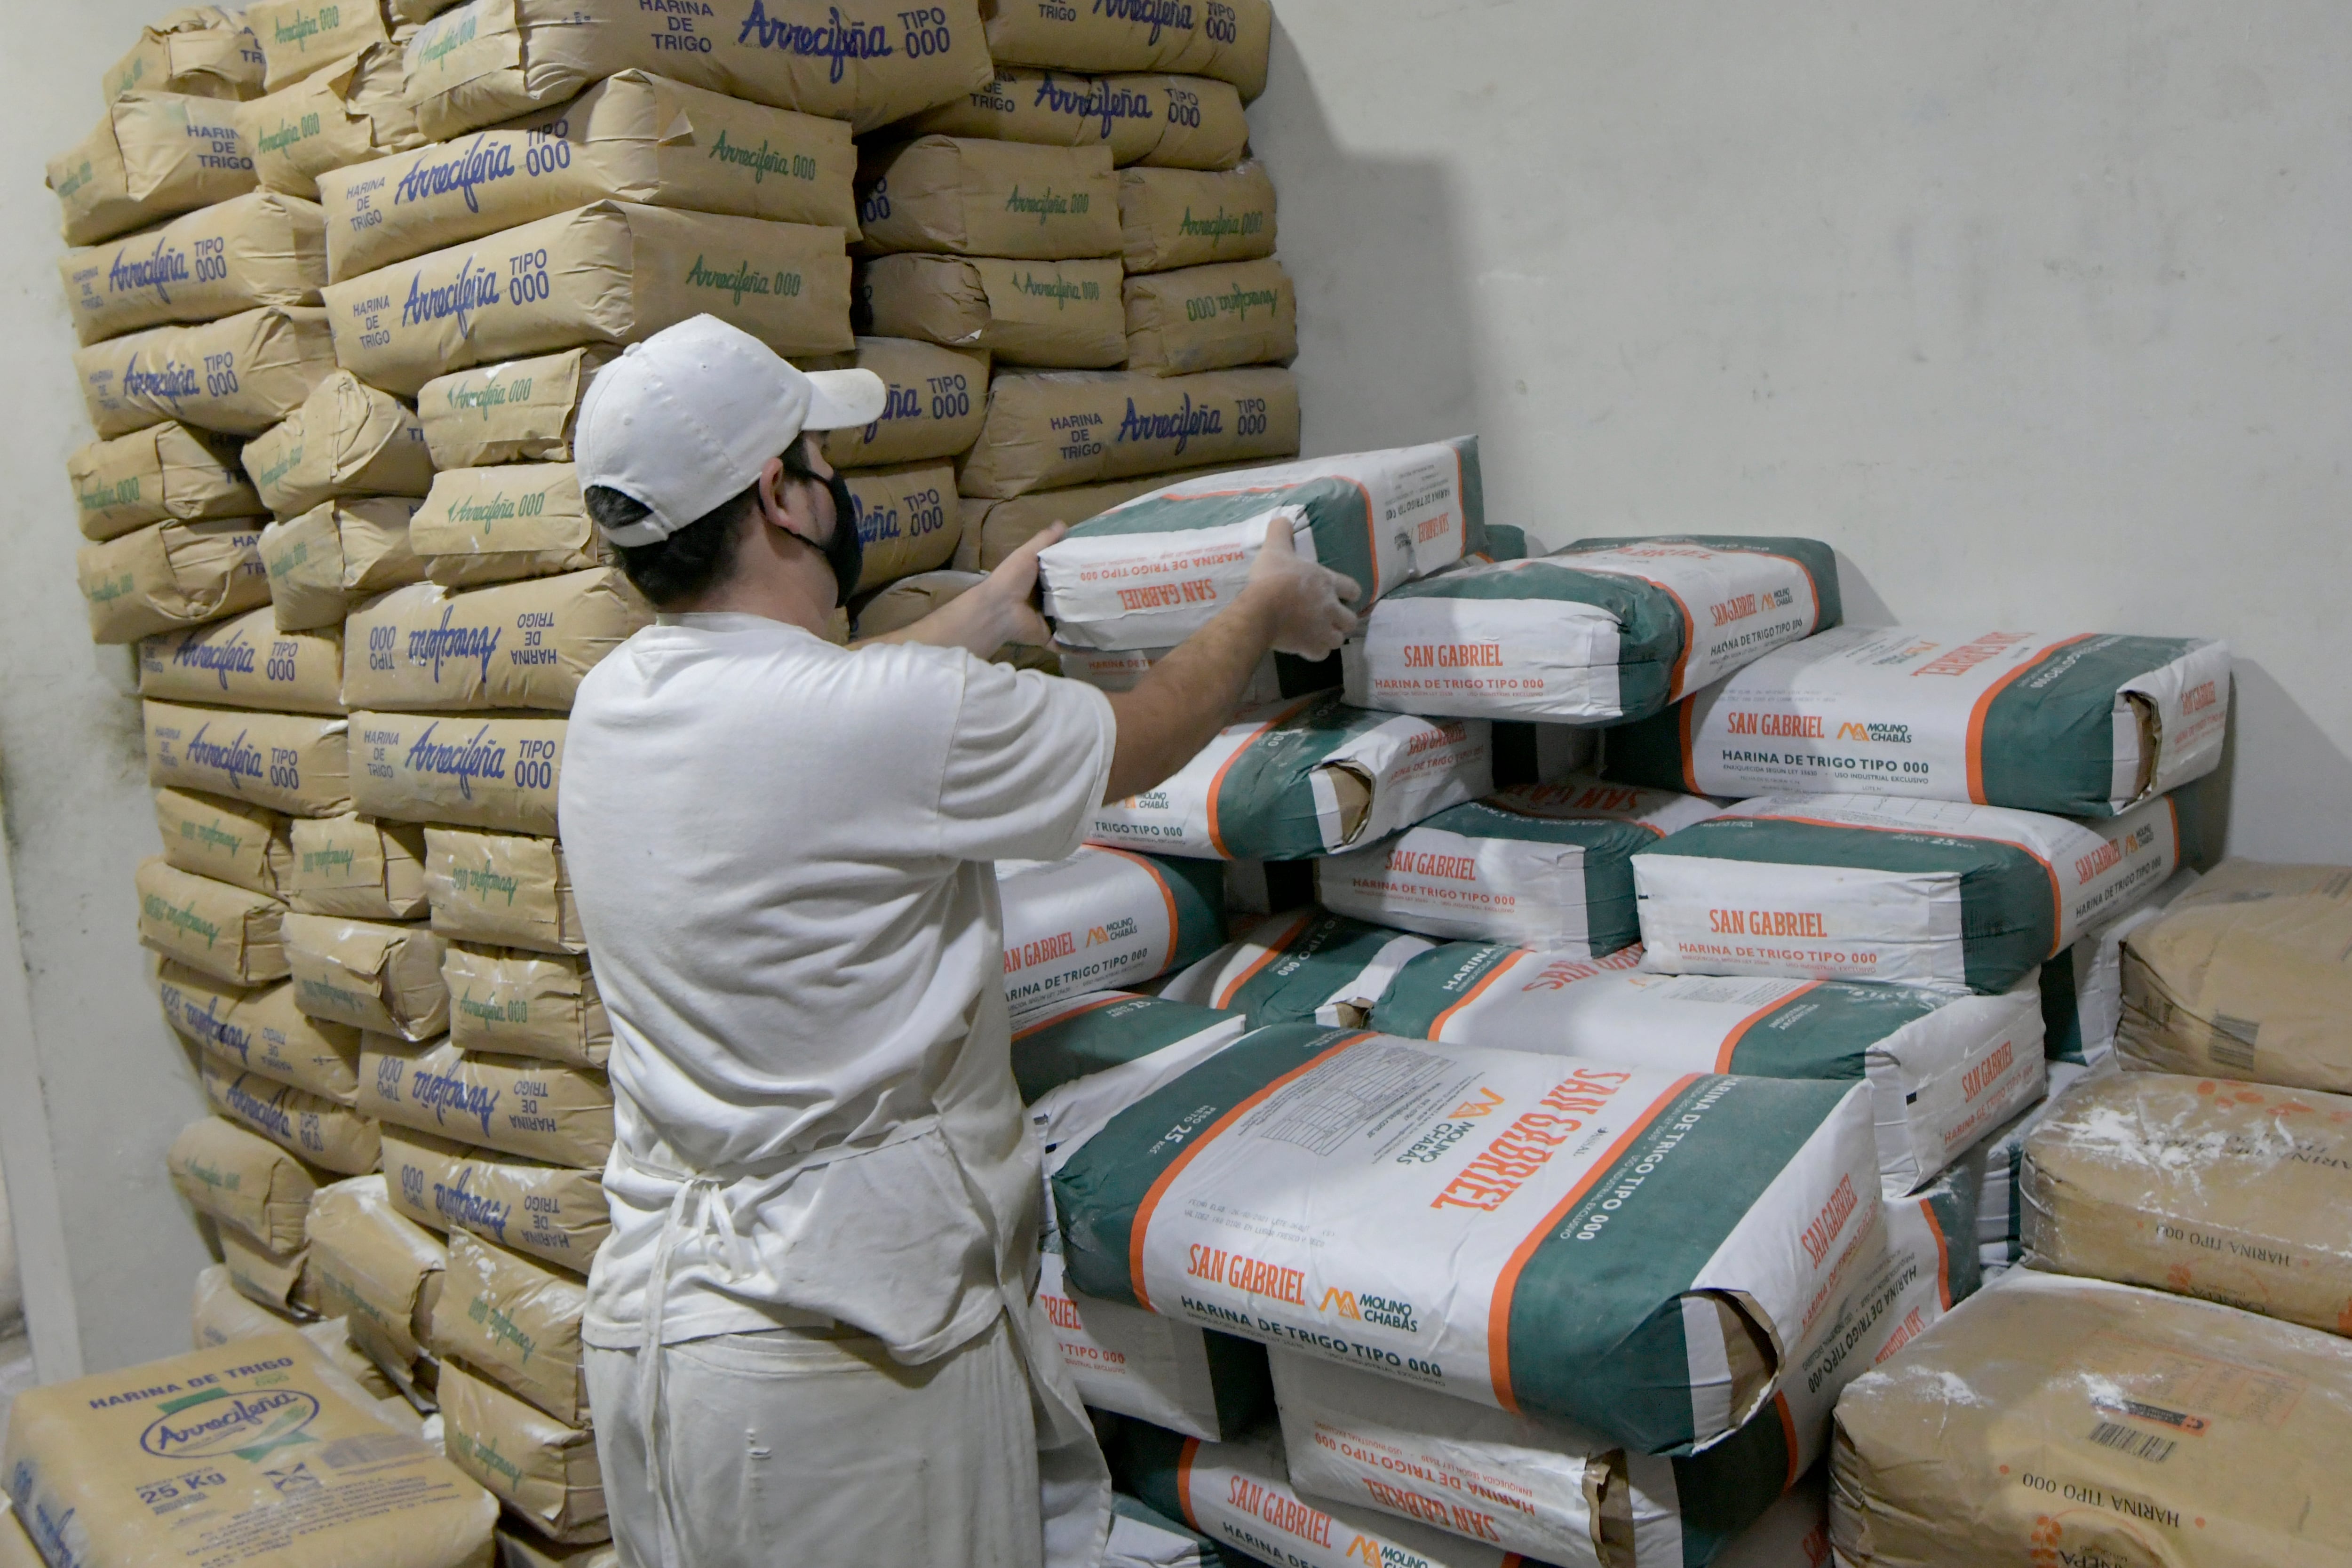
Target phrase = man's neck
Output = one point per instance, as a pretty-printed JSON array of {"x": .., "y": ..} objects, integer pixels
[{"x": 796, "y": 588}]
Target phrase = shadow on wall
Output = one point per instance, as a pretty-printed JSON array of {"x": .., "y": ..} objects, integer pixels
[{"x": 1373, "y": 246}]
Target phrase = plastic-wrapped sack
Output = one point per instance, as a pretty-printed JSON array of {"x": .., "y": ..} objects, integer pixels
[
  {"x": 1603, "y": 631},
  {"x": 2243, "y": 977},
  {"x": 1547, "y": 866},
  {"x": 258, "y": 1419},
  {"x": 1301, "y": 966},
  {"x": 2074, "y": 1421},
  {"x": 1103, "y": 918},
  {"x": 1152, "y": 570},
  {"x": 1633, "y": 1251},
  {"x": 1078, "y": 1067},
  {"x": 2083, "y": 725},
  {"x": 1864, "y": 886},
  {"x": 1945, "y": 1066},
  {"x": 1562, "y": 1496},
  {"x": 2220, "y": 1189},
  {"x": 1293, "y": 780}
]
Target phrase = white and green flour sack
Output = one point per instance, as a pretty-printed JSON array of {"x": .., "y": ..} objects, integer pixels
[
  {"x": 2086, "y": 724},
  {"x": 1603, "y": 631},
  {"x": 1542, "y": 865},
  {"x": 1945, "y": 1066},
  {"x": 1637, "y": 1252},
  {"x": 1554, "y": 1493},
  {"x": 1103, "y": 918},
  {"x": 1309, "y": 776},
  {"x": 2083, "y": 986},
  {"x": 1301, "y": 966},
  {"x": 1998, "y": 1167},
  {"x": 1152, "y": 570},
  {"x": 1873, "y": 886},
  {"x": 1078, "y": 1065},
  {"x": 1141, "y": 1537}
]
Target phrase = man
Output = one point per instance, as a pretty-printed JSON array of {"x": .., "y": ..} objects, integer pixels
[{"x": 811, "y": 1334}]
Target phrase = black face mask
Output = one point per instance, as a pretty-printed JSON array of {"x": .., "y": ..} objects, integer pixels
[{"x": 846, "y": 553}]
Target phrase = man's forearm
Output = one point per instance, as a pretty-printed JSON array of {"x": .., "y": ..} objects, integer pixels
[{"x": 1184, "y": 699}]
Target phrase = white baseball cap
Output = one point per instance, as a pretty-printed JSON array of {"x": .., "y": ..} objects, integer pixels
[{"x": 686, "y": 419}]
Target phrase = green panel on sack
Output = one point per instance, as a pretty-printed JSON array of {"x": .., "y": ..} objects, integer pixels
[
  {"x": 1611, "y": 913},
  {"x": 1649, "y": 751},
  {"x": 2009, "y": 909},
  {"x": 1721, "y": 1492},
  {"x": 2062, "y": 1012},
  {"x": 1594, "y": 1304},
  {"x": 2049, "y": 732},
  {"x": 1101, "y": 1038},
  {"x": 1197, "y": 889},
  {"x": 1432, "y": 982},
  {"x": 1334, "y": 511},
  {"x": 1826, "y": 1030},
  {"x": 1819, "y": 560},
  {"x": 1324, "y": 955},
  {"x": 1264, "y": 808}
]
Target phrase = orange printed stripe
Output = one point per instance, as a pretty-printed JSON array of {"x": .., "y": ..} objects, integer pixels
[
  {"x": 1151, "y": 1204},
  {"x": 1067, "y": 1014},
  {"x": 1787, "y": 1437},
  {"x": 1437, "y": 1025},
  {"x": 1498, "y": 1309},
  {"x": 1274, "y": 950},
  {"x": 1216, "y": 838},
  {"x": 1166, "y": 894},
  {"x": 1739, "y": 1030},
  {"x": 1184, "y": 1482},
  {"x": 1984, "y": 705},
  {"x": 1943, "y": 1255},
  {"x": 1685, "y": 711}
]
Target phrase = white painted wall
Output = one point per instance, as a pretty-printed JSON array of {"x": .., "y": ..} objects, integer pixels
[
  {"x": 2039, "y": 312},
  {"x": 92, "y": 1083}
]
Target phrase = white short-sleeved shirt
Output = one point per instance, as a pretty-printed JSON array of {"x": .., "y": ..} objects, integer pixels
[{"x": 783, "y": 854}]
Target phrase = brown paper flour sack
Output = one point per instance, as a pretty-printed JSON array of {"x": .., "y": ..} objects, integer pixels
[
  {"x": 259, "y": 249},
  {"x": 297, "y": 764},
  {"x": 520, "y": 1549},
  {"x": 504, "y": 523},
  {"x": 964, "y": 196},
  {"x": 230, "y": 932},
  {"x": 1226, "y": 39},
  {"x": 370, "y": 974},
  {"x": 993, "y": 530},
  {"x": 517, "y": 645},
  {"x": 1047, "y": 429},
  {"x": 2218, "y": 1190},
  {"x": 243, "y": 1181},
  {"x": 935, "y": 399},
  {"x": 172, "y": 575},
  {"x": 1065, "y": 314},
  {"x": 201, "y": 51},
  {"x": 501, "y": 890},
  {"x": 553, "y": 1212},
  {"x": 230, "y": 841},
  {"x": 330, "y": 1136},
  {"x": 542, "y": 1470},
  {"x": 521, "y": 1004},
  {"x": 292, "y": 1470},
  {"x": 1174, "y": 122},
  {"x": 519, "y": 412},
  {"x": 279, "y": 1282},
  {"x": 540, "y": 1111},
  {"x": 517, "y": 1321},
  {"x": 357, "y": 867},
  {"x": 632, "y": 138},
  {"x": 299, "y": 38},
  {"x": 349, "y": 113},
  {"x": 327, "y": 562},
  {"x": 490, "y": 61},
  {"x": 246, "y": 662},
  {"x": 2050, "y": 1420},
  {"x": 347, "y": 440},
  {"x": 472, "y": 769},
  {"x": 1176, "y": 218},
  {"x": 379, "y": 1267},
  {"x": 612, "y": 272},
  {"x": 260, "y": 1030},
  {"x": 2246, "y": 976},
  {"x": 908, "y": 521},
  {"x": 154, "y": 154},
  {"x": 240, "y": 374},
  {"x": 166, "y": 473},
  {"x": 1210, "y": 318}
]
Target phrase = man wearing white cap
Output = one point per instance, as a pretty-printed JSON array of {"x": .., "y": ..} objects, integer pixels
[{"x": 811, "y": 1335}]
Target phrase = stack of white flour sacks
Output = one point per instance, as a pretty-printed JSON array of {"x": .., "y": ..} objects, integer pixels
[{"x": 1634, "y": 970}]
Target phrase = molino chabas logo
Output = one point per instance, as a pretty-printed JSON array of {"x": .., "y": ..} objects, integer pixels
[{"x": 217, "y": 1421}]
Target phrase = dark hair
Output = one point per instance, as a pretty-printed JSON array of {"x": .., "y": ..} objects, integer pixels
[{"x": 700, "y": 556}]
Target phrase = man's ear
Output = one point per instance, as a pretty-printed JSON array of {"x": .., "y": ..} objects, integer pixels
[{"x": 771, "y": 508}]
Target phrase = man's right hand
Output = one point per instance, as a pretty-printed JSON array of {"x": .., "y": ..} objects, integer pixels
[{"x": 1304, "y": 606}]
